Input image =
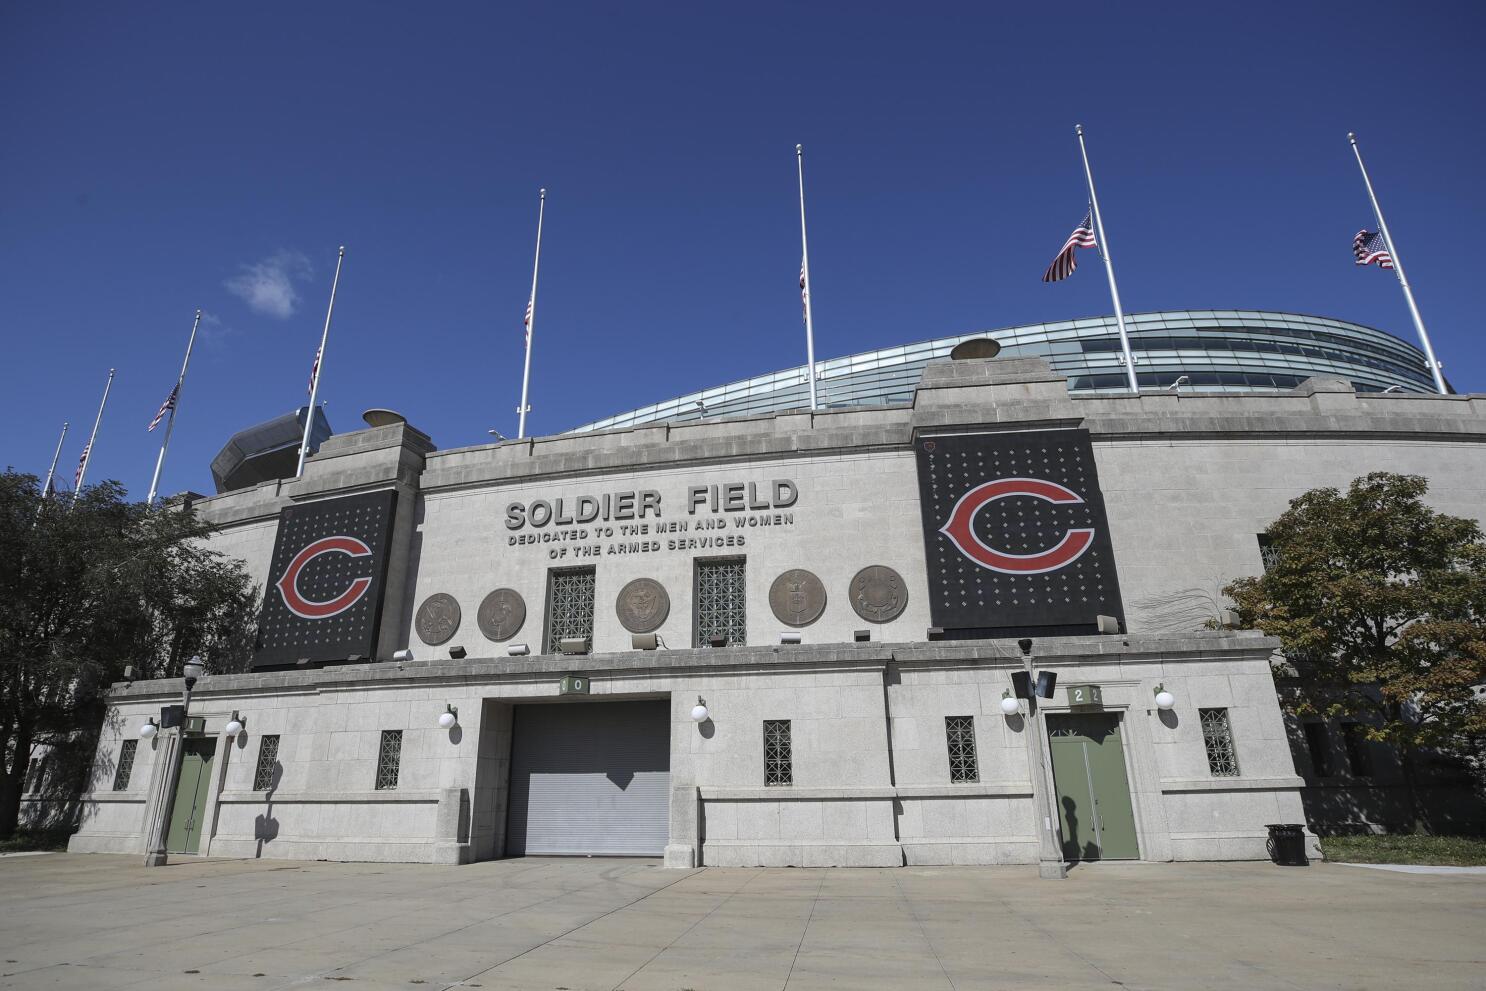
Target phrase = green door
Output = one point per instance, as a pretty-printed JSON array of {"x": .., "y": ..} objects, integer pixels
[
  {"x": 190, "y": 796},
  {"x": 1094, "y": 810}
]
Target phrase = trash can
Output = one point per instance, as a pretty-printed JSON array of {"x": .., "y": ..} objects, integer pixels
[{"x": 1287, "y": 844}]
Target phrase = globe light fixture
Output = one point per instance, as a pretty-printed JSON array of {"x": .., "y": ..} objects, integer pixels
[
  {"x": 1009, "y": 705},
  {"x": 235, "y": 724},
  {"x": 448, "y": 717},
  {"x": 193, "y": 670},
  {"x": 1164, "y": 699},
  {"x": 699, "y": 711},
  {"x": 149, "y": 729}
]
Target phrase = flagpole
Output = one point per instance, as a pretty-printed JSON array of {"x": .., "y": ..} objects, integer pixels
[
  {"x": 805, "y": 268},
  {"x": 52, "y": 471},
  {"x": 174, "y": 405},
  {"x": 309, "y": 419},
  {"x": 88, "y": 451},
  {"x": 1408, "y": 294},
  {"x": 1114, "y": 290},
  {"x": 531, "y": 321}
]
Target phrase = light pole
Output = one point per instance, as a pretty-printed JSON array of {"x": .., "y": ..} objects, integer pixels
[
  {"x": 1050, "y": 863},
  {"x": 157, "y": 857}
]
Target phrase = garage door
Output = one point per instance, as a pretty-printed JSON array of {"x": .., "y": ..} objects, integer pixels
[{"x": 590, "y": 778}]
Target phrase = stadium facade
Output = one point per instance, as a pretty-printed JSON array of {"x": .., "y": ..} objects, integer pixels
[
  {"x": 785, "y": 638},
  {"x": 1225, "y": 351}
]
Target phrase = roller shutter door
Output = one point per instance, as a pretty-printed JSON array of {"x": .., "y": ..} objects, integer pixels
[{"x": 590, "y": 778}]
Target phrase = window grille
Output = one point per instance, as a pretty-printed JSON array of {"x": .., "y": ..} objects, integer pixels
[
  {"x": 1318, "y": 747},
  {"x": 722, "y": 599},
  {"x": 569, "y": 606},
  {"x": 778, "y": 759},
  {"x": 1217, "y": 736},
  {"x": 1359, "y": 759},
  {"x": 126, "y": 765},
  {"x": 268, "y": 757},
  {"x": 389, "y": 759},
  {"x": 1269, "y": 554},
  {"x": 960, "y": 731}
]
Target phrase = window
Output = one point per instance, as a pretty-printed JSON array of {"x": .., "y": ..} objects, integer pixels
[
  {"x": 389, "y": 758},
  {"x": 1268, "y": 552},
  {"x": 1359, "y": 755},
  {"x": 268, "y": 759},
  {"x": 126, "y": 765},
  {"x": 1217, "y": 736},
  {"x": 721, "y": 598},
  {"x": 778, "y": 760},
  {"x": 960, "y": 732},
  {"x": 1316, "y": 744},
  {"x": 569, "y": 606}
]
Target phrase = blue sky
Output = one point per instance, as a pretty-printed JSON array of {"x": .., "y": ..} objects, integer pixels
[{"x": 162, "y": 157}]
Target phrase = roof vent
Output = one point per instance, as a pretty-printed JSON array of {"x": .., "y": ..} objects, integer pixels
[{"x": 976, "y": 347}]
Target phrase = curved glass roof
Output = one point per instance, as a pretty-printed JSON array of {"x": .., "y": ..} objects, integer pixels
[{"x": 1215, "y": 350}]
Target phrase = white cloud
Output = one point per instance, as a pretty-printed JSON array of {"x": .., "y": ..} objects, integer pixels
[{"x": 268, "y": 286}]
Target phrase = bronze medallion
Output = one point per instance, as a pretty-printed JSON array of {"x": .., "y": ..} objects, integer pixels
[
  {"x": 501, "y": 614},
  {"x": 878, "y": 595},
  {"x": 643, "y": 605},
  {"x": 797, "y": 597},
  {"x": 437, "y": 618}
]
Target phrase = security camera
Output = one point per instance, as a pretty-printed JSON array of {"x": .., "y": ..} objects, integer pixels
[{"x": 1026, "y": 644}]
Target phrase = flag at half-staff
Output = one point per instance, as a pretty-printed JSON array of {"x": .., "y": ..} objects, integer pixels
[
  {"x": 82, "y": 466},
  {"x": 314, "y": 373},
  {"x": 1369, "y": 247},
  {"x": 1064, "y": 264},
  {"x": 165, "y": 407}
]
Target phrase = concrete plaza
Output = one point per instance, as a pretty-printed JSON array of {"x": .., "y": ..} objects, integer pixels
[{"x": 83, "y": 922}]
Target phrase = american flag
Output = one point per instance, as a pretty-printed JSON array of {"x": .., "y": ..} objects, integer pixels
[
  {"x": 1370, "y": 247},
  {"x": 314, "y": 372},
  {"x": 1065, "y": 263},
  {"x": 804, "y": 291},
  {"x": 165, "y": 407},
  {"x": 82, "y": 463}
]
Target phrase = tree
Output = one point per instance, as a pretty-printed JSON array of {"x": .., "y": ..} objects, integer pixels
[
  {"x": 89, "y": 585},
  {"x": 1379, "y": 602}
]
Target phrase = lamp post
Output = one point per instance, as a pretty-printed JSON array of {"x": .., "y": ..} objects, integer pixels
[
  {"x": 1050, "y": 863},
  {"x": 157, "y": 857}
]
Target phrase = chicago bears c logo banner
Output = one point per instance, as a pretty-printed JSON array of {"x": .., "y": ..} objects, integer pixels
[
  {"x": 324, "y": 596},
  {"x": 1015, "y": 534}
]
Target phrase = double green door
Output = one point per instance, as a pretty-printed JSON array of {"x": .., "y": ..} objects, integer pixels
[
  {"x": 189, "y": 807},
  {"x": 1094, "y": 809}
]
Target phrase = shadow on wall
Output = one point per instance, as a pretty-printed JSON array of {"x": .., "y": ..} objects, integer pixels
[{"x": 265, "y": 826}]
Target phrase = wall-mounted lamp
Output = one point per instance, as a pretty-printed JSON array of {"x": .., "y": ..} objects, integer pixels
[
  {"x": 235, "y": 724},
  {"x": 717, "y": 641},
  {"x": 457, "y": 653},
  {"x": 518, "y": 650},
  {"x": 1108, "y": 625},
  {"x": 1164, "y": 699},
  {"x": 699, "y": 711},
  {"x": 448, "y": 717},
  {"x": 1228, "y": 619},
  {"x": 149, "y": 729},
  {"x": 402, "y": 656},
  {"x": 862, "y": 636},
  {"x": 1009, "y": 704},
  {"x": 573, "y": 645},
  {"x": 644, "y": 641},
  {"x": 789, "y": 637}
]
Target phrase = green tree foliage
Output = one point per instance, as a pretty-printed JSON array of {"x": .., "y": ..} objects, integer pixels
[
  {"x": 1380, "y": 604},
  {"x": 88, "y": 586}
]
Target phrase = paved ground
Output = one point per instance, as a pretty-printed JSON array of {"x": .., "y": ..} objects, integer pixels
[{"x": 82, "y": 922}]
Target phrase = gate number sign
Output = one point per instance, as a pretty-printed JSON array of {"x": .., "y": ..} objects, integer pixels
[
  {"x": 573, "y": 684},
  {"x": 1085, "y": 695}
]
